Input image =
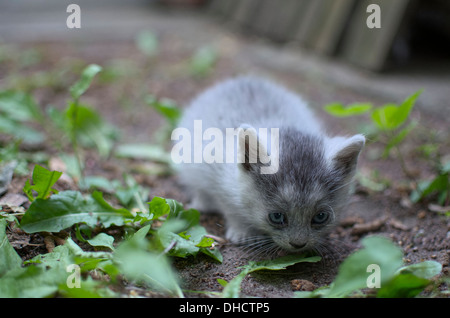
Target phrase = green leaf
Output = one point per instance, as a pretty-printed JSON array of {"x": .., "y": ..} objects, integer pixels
[
  {"x": 158, "y": 207},
  {"x": 21, "y": 131},
  {"x": 139, "y": 265},
  {"x": 144, "y": 151},
  {"x": 67, "y": 208},
  {"x": 40, "y": 278},
  {"x": 426, "y": 269},
  {"x": 280, "y": 263},
  {"x": 43, "y": 181},
  {"x": 222, "y": 282},
  {"x": 89, "y": 127},
  {"x": 353, "y": 274},
  {"x": 19, "y": 106},
  {"x": 166, "y": 107},
  {"x": 205, "y": 242},
  {"x": 440, "y": 184},
  {"x": 403, "y": 286},
  {"x": 89, "y": 288},
  {"x": 88, "y": 74},
  {"x": 147, "y": 43},
  {"x": 392, "y": 116},
  {"x": 398, "y": 138},
  {"x": 232, "y": 288},
  {"x": 32, "y": 282},
  {"x": 339, "y": 110},
  {"x": 102, "y": 240},
  {"x": 203, "y": 60},
  {"x": 9, "y": 259}
]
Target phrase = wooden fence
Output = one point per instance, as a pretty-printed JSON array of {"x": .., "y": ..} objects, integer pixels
[{"x": 329, "y": 27}]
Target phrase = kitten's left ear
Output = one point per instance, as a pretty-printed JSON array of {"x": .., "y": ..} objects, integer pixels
[{"x": 343, "y": 152}]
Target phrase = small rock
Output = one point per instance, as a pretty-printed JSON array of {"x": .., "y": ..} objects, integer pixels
[
  {"x": 422, "y": 214},
  {"x": 302, "y": 285}
]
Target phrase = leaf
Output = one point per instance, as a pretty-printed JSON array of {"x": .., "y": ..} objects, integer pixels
[
  {"x": 102, "y": 240},
  {"x": 280, "y": 263},
  {"x": 9, "y": 259},
  {"x": 140, "y": 265},
  {"x": 398, "y": 138},
  {"x": 143, "y": 151},
  {"x": 19, "y": 106},
  {"x": 166, "y": 107},
  {"x": 385, "y": 117},
  {"x": 352, "y": 274},
  {"x": 67, "y": 208},
  {"x": 158, "y": 207},
  {"x": 339, "y": 110},
  {"x": 89, "y": 127},
  {"x": 32, "y": 282},
  {"x": 40, "y": 278},
  {"x": 89, "y": 288},
  {"x": 88, "y": 74},
  {"x": 232, "y": 288},
  {"x": 147, "y": 43},
  {"x": 21, "y": 131},
  {"x": 403, "y": 286},
  {"x": 410, "y": 280},
  {"x": 222, "y": 282},
  {"x": 440, "y": 183},
  {"x": 43, "y": 181},
  {"x": 392, "y": 116},
  {"x": 203, "y": 61},
  {"x": 426, "y": 269}
]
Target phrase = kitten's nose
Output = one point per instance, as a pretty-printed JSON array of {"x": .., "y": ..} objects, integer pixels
[{"x": 297, "y": 245}]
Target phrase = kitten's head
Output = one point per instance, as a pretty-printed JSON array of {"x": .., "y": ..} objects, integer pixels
[{"x": 298, "y": 204}]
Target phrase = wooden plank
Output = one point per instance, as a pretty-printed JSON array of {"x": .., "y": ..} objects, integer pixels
[
  {"x": 308, "y": 21},
  {"x": 369, "y": 48},
  {"x": 245, "y": 12},
  {"x": 259, "y": 19},
  {"x": 284, "y": 19},
  {"x": 231, "y": 7},
  {"x": 330, "y": 31},
  {"x": 223, "y": 8}
]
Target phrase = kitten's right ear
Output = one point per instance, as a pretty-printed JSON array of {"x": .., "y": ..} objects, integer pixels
[
  {"x": 344, "y": 152},
  {"x": 247, "y": 147},
  {"x": 252, "y": 152}
]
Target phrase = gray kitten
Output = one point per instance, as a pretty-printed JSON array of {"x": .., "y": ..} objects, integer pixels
[{"x": 292, "y": 205}]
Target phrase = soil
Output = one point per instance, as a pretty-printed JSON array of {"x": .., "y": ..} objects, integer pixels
[{"x": 420, "y": 232}]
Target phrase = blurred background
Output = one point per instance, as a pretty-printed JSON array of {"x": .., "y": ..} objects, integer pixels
[{"x": 173, "y": 49}]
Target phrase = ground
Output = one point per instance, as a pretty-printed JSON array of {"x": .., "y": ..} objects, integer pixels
[{"x": 420, "y": 232}]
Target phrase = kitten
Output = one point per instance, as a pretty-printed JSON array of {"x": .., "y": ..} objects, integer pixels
[{"x": 290, "y": 207}]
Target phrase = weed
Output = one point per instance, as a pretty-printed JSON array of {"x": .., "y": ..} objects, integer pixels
[
  {"x": 165, "y": 229},
  {"x": 391, "y": 124}
]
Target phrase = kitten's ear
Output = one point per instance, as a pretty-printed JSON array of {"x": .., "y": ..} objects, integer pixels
[
  {"x": 251, "y": 152},
  {"x": 343, "y": 153}
]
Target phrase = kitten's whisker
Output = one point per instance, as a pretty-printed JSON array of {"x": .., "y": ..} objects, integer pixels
[{"x": 341, "y": 186}]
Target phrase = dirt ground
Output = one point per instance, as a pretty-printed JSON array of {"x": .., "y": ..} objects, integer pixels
[{"x": 421, "y": 233}]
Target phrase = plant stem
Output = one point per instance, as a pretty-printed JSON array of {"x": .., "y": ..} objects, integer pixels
[
  {"x": 74, "y": 139},
  {"x": 405, "y": 170}
]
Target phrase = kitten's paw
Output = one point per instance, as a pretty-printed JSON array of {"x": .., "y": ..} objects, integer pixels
[
  {"x": 202, "y": 202},
  {"x": 235, "y": 235}
]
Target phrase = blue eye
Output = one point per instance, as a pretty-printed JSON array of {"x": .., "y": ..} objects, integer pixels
[
  {"x": 277, "y": 218},
  {"x": 320, "y": 218}
]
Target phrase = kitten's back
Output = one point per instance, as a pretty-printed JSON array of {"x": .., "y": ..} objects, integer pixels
[{"x": 252, "y": 101}]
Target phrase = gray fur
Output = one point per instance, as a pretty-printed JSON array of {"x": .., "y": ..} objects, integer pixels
[{"x": 313, "y": 175}]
